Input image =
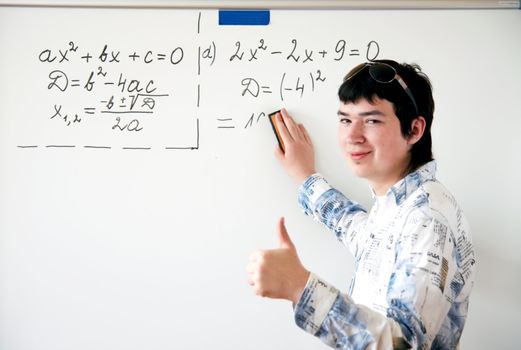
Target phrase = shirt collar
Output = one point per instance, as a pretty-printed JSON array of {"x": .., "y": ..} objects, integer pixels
[{"x": 410, "y": 183}]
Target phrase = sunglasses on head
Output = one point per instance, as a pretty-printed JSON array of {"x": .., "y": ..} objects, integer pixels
[{"x": 383, "y": 73}]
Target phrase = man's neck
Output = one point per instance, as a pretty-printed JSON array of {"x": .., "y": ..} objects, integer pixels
[{"x": 381, "y": 188}]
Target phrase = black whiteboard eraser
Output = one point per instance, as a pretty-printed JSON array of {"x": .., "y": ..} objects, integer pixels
[{"x": 276, "y": 131}]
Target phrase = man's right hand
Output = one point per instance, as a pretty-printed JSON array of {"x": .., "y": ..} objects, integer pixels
[{"x": 299, "y": 158}]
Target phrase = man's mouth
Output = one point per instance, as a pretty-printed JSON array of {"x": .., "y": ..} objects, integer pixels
[{"x": 358, "y": 155}]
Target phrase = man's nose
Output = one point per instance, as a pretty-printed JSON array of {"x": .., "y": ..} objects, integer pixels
[{"x": 355, "y": 132}]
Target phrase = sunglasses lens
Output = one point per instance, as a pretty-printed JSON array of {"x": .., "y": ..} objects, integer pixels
[
  {"x": 382, "y": 73},
  {"x": 355, "y": 71}
]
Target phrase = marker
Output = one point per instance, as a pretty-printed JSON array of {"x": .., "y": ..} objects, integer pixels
[{"x": 273, "y": 122}]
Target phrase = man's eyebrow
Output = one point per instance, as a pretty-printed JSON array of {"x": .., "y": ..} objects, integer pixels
[{"x": 363, "y": 114}]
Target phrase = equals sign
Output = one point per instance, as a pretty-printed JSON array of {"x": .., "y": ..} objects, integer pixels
[
  {"x": 354, "y": 52},
  {"x": 75, "y": 82},
  {"x": 161, "y": 56},
  {"x": 266, "y": 90},
  {"x": 89, "y": 110},
  {"x": 225, "y": 121}
]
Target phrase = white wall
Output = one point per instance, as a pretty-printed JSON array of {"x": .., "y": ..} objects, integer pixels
[{"x": 133, "y": 249}]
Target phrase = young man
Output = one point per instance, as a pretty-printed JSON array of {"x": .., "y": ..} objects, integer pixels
[{"x": 414, "y": 260}]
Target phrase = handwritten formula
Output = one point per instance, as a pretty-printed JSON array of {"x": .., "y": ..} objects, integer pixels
[{"x": 123, "y": 91}]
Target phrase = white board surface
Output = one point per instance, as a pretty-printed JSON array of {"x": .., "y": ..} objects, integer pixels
[{"x": 131, "y": 200}]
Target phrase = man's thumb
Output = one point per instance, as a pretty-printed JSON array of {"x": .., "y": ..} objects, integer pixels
[{"x": 284, "y": 239}]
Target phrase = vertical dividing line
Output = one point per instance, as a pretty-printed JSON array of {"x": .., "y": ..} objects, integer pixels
[
  {"x": 197, "y": 133},
  {"x": 199, "y": 47},
  {"x": 198, "y": 94},
  {"x": 198, "y": 75},
  {"x": 199, "y": 60},
  {"x": 199, "y": 23}
]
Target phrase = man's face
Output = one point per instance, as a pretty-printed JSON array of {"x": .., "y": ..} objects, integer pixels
[{"x": 370, "y": 138}]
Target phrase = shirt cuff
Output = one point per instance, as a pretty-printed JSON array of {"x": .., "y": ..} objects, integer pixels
[
  {"x": 314, "y": 304},
  {"x": 311, "y": 190}
]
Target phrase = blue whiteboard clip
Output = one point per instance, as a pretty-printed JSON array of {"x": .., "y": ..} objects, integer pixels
[{"x": 244, "y": 17}]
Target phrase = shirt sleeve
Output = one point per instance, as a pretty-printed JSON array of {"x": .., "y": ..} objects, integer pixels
[
  {"x": 342, "y": 324},
  {"x": 327, "y": 205},
  {"x": 418, "y": 296}
]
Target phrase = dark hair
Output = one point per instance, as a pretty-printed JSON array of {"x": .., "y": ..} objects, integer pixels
[{"x": 362, "y": 86}]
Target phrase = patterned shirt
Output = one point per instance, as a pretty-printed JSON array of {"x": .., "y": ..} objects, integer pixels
[{"x": 414, "y": 267}]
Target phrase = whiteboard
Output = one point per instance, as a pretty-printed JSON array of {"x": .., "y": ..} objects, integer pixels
[{"x": 135, "y": 182}]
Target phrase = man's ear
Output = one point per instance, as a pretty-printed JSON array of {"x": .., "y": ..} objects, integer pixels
[{"x": 417, "y": 130}]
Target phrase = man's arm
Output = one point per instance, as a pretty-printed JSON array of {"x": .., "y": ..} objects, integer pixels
[
  {"x": 421, "y": 295},
  {"x": 344, "y": 217},
  {"x": 419, "y": 301},
  {"x": 327, "y": 205},
  {"x": 339, "y": 322}
]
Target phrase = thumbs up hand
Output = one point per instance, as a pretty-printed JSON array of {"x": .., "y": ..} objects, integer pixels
[
  {"x": 284, "y": 239},
  {"x": 278, "y": 273}
]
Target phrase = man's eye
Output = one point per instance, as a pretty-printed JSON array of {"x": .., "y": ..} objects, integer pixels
[
  {"x": 372, "y": 121},
  {"x": 345, "y": 121}
]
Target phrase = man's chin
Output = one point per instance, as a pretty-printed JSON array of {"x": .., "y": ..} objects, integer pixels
[{"x": 359, "y": 171}]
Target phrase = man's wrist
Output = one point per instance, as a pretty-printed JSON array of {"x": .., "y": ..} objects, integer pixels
[
  {"x": 302, "y": 177},
  {"x": 303, "y": 281}
]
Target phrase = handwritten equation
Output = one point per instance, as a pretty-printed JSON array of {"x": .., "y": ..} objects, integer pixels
[{"x": 118, "y": 90}]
